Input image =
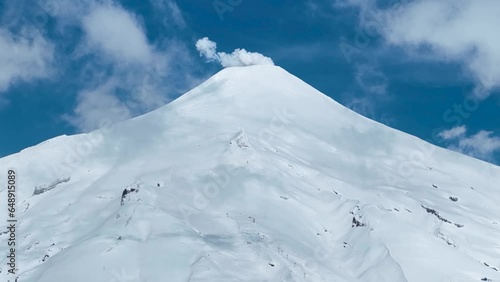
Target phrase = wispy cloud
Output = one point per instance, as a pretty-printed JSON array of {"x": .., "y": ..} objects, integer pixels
[
  {"x": 371, "y": 79},
  {"x": 483, "y": 144},
  {"x": 370, "y": 93},
  {"x": 130, "y": 74},
  {"x": 453, "y": 133},
  {"x": 318, "y": 8},
  {"x": 369, "y": 107},
  {"x": 171, "y": 13},
  {"x": 24, "y": 58},
  {"x": 448, "y": 30},
  {"x": 362, "y": 106},
  {"x": 116, "y": 33},
  {"x": 106, "y": 49},
  {"x": 98, "y": 106},
  {"x": 457, "y": 30}
]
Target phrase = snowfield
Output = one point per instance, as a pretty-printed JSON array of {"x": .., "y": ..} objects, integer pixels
[{"x": 252, "y": 176}]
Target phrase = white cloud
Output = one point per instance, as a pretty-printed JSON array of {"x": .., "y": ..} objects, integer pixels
[
  {"x": 453, "y": 133},
  {"x": 176, "y": 14},
  {"x": 134, "y": 90},
  {"x": 239, "y": 57},
  {"x": 129, "y": 73},
  {"x": 483, "y": 145},
  {"x": 207, "y": 48},
  {"x": 98, "y": 106},
  {"x": 117, "y": 33},
  {"x": 451, "y": 30},
  {"x": 122, "y": 72},
  {"x": 24, "y": 59},
  {"x": 170, "y": 12},
  {"x": 374, "y": 93}
]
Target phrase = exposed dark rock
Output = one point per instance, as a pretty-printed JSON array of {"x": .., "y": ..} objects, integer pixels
[
  {"x": 45, "y": 257},
  {"x": 435, "y": 213},
  {"x": 126, "y": 192},
  {"x": 42, "y": 189},
  {"x": 357, "y": 223}
]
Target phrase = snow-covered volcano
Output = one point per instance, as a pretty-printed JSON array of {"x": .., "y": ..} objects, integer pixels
[{"x": 252, "y": 176}]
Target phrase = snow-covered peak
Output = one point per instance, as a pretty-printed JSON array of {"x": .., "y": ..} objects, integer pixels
[{"x": 253, "y": 176}]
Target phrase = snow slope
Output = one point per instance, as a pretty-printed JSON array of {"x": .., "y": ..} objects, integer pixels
[{"x": 253, "y": 176}]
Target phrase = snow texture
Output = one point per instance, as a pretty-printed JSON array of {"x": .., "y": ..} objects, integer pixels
[{"x": 253, "y": 176}]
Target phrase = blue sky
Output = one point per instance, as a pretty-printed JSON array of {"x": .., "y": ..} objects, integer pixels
[{"x": 64, "y": 64}]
